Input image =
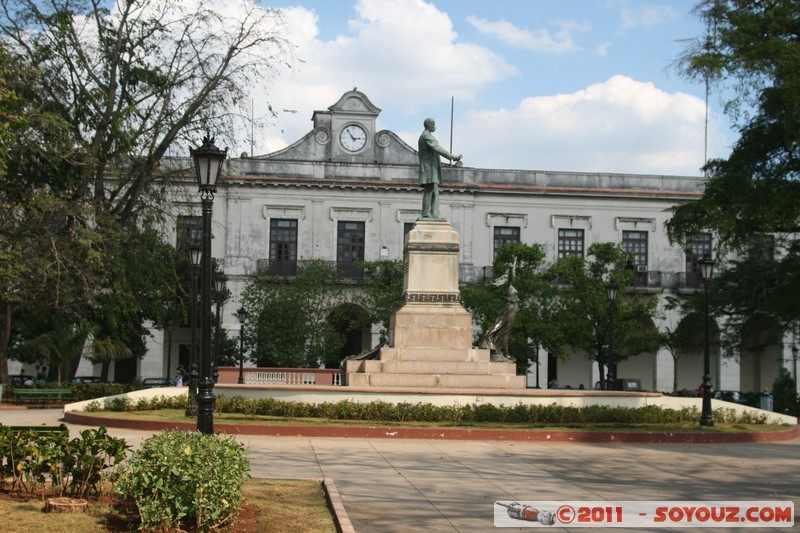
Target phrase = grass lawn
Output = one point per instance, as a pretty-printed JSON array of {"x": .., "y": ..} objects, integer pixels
[
  {"x": 270, "y": 506},
  {"x": 177, "y": 415}
]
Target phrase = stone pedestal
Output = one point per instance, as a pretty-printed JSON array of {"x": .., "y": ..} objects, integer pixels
[{"x": 431, "y": 335}]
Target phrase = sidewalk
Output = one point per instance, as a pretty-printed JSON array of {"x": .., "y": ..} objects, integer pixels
[{"x": 450, "y": 486}]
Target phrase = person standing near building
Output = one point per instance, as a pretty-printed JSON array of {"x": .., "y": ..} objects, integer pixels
[{"x": 430, "y": 170}]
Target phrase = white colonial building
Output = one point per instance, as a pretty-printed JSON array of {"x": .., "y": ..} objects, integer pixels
[{"x": 346, "y": 192}]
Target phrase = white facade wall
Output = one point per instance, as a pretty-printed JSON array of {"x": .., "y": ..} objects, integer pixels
[{"x": 318, "y": 184}]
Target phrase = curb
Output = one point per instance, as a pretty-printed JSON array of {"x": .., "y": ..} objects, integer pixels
[
  {"x": 526, "y": 435},
  {"x": 343, "y": 524}
]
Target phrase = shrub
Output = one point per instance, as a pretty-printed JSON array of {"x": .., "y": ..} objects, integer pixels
[
  {"x": 384, "y": 412},
  {"x": 90, "y": 391},
  {"x": 31, "y": 460},
  {"x": 180, "y": 480}
]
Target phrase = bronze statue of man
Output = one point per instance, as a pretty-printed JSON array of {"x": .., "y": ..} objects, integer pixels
[{"x": 430, "y": 170}]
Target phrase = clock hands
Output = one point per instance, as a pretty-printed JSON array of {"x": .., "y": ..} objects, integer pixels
[{"x": 353, "y": 138}]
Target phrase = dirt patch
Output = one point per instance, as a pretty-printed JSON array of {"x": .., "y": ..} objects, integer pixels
[{"x": 270, "y": 506}]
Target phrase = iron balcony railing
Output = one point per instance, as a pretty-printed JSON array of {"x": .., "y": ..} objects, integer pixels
[{"x": 289, "y": 269}]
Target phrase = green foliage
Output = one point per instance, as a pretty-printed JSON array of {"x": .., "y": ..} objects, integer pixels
[
  {"x": 688, "y": 337},
  {"x": 125, "y": 403},
  {"x": 288, "y": 321},
  {"x": 756, "y": 294},
  {"x": 534, "y": 415},
  {"x": 584, "y": 312},
  {"x": 89, "y": 391},
  {"x": 92, "y": 454},
  {"x": 180, "y": 480},
  {"x": 40, "y": 462},
  {"x": 784, "y": 392},
  {"x": 91, "y": 99},
  {"x": 533, "y": 327},
  {"x": 752, "y": 48},
  {"x": 383, "y": 292}
]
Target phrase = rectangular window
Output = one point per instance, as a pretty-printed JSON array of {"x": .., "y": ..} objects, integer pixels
[
  {"x": 698, "y": 246},
  {"x": 505, "y": 235},
  {"x": 407, "y": 226},
  {"x": 283, "y": 247},
  {"x": 762, "y": 247},
  {"x": 635, "y": 243},
  {"x": 570, "y": 242},
  {"x": 189, "y": 231},
  {"x": 350, "y": 247}
]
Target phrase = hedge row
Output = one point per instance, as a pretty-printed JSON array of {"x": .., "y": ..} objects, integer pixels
[{"x": 380, "y": 411}]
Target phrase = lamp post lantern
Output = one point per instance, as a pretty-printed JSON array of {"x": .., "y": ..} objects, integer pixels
[
  {"x": 207, "y": 163},
  {"x": 195, "y": 252},
  {"x": 611, "y": 294},
  {"x": 219, "y": 289},
  {"x": 706, "y": 272},
  {"x": 242, "y": 316}
]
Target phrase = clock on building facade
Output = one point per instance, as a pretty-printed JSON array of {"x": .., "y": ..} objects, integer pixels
[{"x": 353, "y": 137}]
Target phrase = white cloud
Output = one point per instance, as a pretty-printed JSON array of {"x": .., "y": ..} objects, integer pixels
[
  {"x": 648, "y": 16},
  {"x": 541, "y": 40},
  {"x": 401, "y": 53},
  {"x": 602, "y": 49},
  {"x": 411, "y": 64},
  {"x": 620, "y": 125}
]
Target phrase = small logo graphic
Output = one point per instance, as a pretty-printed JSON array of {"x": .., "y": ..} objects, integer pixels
[{"x": 517, "y": 511}]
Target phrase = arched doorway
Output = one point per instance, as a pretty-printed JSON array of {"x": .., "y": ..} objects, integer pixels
[
  {"x": 761, "y": 354},
  {"x": 687, "y": 346}
]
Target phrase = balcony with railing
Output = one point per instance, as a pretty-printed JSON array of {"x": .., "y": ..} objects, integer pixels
[
  {"x": 281, "y": 376},
  {"x": 688, "y": 280},
  {"x": 289, "y": 269}
]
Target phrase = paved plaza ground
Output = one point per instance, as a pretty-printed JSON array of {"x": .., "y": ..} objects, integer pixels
[{"x": 450, "y": 486}]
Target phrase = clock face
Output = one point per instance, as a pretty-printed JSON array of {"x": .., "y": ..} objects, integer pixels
[{"x": 353, "y": 137}]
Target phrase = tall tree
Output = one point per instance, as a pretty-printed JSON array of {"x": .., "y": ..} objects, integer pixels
[
  {"x": 383, "y": 292},
  {"x": 533, "y": 327},
  {"x": 288, "y": 321},
  {"x": 93, "y": 95},
  {"x": 753, "y": 48},
  {"x": 584, "y": 310},
  {"x": 134, "y": 77},
  {"x": 40, "y": 255},
  {"x": 51, "y": 262},
  {"x": 684, "y": 338}
]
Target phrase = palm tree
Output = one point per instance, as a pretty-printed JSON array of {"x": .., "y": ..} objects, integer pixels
[{"x": 63, "y": 346}]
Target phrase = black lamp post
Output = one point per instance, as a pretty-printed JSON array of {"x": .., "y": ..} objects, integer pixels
[
  {"x": 794, "y": 364},
  {"x": 611, "y": 294},
  {"x": 195, "y": 252},
  {"x": 170, "y": 328},
  {"x": 706, "y": 272},
  {"x": 207, "y": 163},
  {"x": 242, "y": 316},
  {"x": 219, "y": 288}
]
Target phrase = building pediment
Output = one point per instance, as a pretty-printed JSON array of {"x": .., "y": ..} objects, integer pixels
[
  {"x": 355, "y": 102},
  {"x": 346, "y": 133}
]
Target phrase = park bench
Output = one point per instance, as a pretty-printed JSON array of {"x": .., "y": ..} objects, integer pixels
[{"x": 42, "y": 395}]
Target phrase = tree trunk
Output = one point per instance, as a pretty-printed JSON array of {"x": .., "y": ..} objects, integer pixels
[
  {"x": 66, "y": 505},
  {"x": 5, "y": 336}
]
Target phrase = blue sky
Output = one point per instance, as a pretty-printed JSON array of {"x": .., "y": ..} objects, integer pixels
[{"x": 560, "y": 85}]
